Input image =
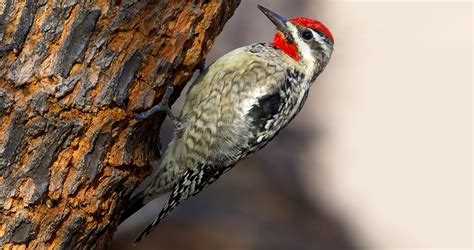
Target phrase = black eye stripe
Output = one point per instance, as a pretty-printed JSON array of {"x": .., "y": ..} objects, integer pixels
[{"x": 321, "y": 34}]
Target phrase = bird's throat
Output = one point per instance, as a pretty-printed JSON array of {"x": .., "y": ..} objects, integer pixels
[{"x": 289, "y": 48}]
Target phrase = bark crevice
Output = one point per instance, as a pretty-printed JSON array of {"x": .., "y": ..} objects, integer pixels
[{"x": 71, "y": 75}]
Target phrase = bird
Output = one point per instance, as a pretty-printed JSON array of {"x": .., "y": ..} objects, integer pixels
[{"x": 234, "y": 108}]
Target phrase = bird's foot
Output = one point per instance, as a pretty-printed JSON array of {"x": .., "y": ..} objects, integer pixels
[{"x": 163, "y": 106}]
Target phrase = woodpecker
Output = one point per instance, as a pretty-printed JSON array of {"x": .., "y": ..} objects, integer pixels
[{"x": 235, "y": 107}]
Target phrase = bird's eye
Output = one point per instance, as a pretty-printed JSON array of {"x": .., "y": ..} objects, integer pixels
[{"x": 307, "y": 35}]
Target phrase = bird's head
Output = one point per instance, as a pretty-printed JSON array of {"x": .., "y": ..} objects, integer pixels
[{"x": 303, "y": 39}]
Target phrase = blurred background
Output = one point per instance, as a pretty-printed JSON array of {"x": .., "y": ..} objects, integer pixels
[{"x": 380, "y": 156}]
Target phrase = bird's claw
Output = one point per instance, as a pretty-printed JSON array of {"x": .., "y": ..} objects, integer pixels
[{"x": 163, "y": 106}]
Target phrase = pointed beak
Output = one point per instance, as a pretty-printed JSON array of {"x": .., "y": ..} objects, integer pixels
[{"x": 279, "y": 21}]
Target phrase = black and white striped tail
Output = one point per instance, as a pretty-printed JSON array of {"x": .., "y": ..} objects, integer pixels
[{"x": 192, "y": 182}]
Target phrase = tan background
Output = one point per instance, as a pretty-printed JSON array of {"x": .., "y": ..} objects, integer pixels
[{"x": 383, "y": 146}]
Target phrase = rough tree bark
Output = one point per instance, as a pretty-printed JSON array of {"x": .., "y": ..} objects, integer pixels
[{"x": 72, "y": 73}]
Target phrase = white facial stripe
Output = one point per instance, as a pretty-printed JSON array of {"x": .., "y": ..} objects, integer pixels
[
  {"x": 316, "y": 36},
  {"x": 305, "y": 50}
]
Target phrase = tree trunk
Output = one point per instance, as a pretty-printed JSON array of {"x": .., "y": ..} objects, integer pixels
[{"x": 72, "y": 73}]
